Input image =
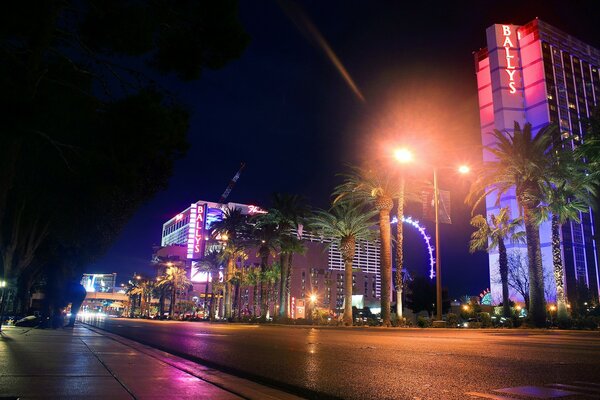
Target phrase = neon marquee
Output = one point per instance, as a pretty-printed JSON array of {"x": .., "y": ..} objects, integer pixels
[
  {"x": 510, "y": 63},
  {"x": 197, "y": 229}
]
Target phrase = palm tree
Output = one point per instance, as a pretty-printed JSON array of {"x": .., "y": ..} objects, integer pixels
[
  {"x": 569, "y": 194},
  {"x": 377, "y": 187},
  {"x": 210, "y": 265},
  {"x": 405, "y": 195},
  {"x": 234, "y": 230},
  {"x": 288, "y": 213},
  {"x": 346, "y": 224},
  {"x": 270, "y": 278},
  {"x": 490, "y": 235},
  {"x": 176, "y": 279},
  {"x": 521, "y": 164},
  {"x": 265, "y": 236}
]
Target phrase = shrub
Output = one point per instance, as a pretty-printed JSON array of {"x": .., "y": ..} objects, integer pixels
[
  {"x": 485, "y": 319},
  {"x": 423, "y": 322},
  {"x": 452, "y": 320}
]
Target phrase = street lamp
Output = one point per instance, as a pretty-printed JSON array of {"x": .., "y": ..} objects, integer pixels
[
  {"x": 2, "y": 286},
  {"x": 405, "y": 156}
]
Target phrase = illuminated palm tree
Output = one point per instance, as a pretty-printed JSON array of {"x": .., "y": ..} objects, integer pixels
[
  {"x": 347, "y": 224},
  {"x": 405, "y": 195},
  {"x": 491, "y": 235},
  {"x": 569, "y": 194},
  {"x": 210, "y": 265},
  {"x": 522, "y": 165},
  {"x": 265, "y": 237},
  {"x": 233, "y": 229},
  {"x": 176, "y": 280},
  {"x": 377, "y": 187}
]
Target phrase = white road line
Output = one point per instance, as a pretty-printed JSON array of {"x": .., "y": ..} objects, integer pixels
[{"x": 489, "y": 396}]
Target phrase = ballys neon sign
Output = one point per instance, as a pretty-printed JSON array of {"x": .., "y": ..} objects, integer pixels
[
  {"x": 199, "y": 232},
  {"x": 510, "y": 67}
]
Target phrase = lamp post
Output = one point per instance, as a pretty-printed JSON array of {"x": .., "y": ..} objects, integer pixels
[
  {"x": 2, "y": 287},
  {"x": 405, "y": 156}
]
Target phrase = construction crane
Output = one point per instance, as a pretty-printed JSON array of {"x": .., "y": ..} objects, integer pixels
[{"x": 231, "y": 184}]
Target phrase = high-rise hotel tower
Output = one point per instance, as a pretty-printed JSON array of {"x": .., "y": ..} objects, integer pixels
[{"x": 538, "y": 74}]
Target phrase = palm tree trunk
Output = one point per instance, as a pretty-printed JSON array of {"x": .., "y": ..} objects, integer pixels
[
  {"x": 283, "y": 259},
  {"x": 228, "y": 288},
  {"x": 399, "y": 249},
  {"x": 173, "y": 299},
  {"x": 537, "y": 301},
  {"x": 559, "y": 275},
  {"x": 348, "y": 319},
  {"x": 503, "y": 267},
  {"x": 264, "y": 260},
  {"x": 386, "y": 264},
  {"x": 206, "y": 294}
]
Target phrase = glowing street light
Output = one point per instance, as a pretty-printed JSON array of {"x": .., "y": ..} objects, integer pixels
[
  {"x": 464, "y": 169},
  {"x": 403, "y": 155}
]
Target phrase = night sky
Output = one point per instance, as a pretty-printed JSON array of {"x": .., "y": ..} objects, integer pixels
[{"x": 285, "y": 110}]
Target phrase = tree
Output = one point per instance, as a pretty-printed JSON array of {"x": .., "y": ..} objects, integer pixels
[
  {"x": 271, "y": 276},
  {"x": 88, "y": 132},
  {"x": 176, "y": 279},
  {"x": 210, "y": 265},
  {"x": 288, "y": 213},
  {"x": 377, "y": 187},
  {"x": 233, "y": 229},
  {"x": 265, "y": 237},
  {"x": 489, "y": 236},
  {"x": 569, "y": 193},
  {"x": 405, "y": 195},
  {"x": 347, "y": 224},
  {"x": 521, "y": 164},
  {"x": 518, "y": 277}
]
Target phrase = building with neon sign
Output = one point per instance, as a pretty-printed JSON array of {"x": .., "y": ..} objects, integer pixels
[
  {"x": 318, "y": 271},
  {"x": 538, "y": 74}
]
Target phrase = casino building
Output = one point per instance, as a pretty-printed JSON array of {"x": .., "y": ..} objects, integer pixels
[
  {"x": 319, "y": 271},
  {"x": 538, "y": 74}
]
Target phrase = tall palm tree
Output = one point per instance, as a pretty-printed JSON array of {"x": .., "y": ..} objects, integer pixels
[
  {"x": 234, "y": 230},
  {"x": 491, "y": 235},
  {"x": 288, "y": 213},
  {"x": 176, "y": 279},
  {"x": 378, "y": 187},
  {"x": 346, "y": 224},
  {"x": 210, "y": 265},
  {"x": 569, "y": 194},
  {"x": 521, "y": 163},
  {"x": 406, "y": 194},
  {"x": 265, "y": 236},
  {"x": 271, "y": 277}
]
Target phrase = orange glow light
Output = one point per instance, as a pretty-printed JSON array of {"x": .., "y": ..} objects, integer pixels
[{"x": 403, "y": 155}]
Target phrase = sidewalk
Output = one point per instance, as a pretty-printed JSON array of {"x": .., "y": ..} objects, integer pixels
[{"x": 83, "y": 362}]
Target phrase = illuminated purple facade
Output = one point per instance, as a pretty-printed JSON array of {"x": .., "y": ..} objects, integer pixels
[{"x": 535, "y": 73}]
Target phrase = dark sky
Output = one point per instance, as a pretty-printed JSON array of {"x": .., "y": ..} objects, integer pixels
[{"x": 284, "y": 109}]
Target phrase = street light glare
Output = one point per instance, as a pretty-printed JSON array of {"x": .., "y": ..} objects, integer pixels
[
  {"x": 403, "y": 155},
  {"x": 464, "y": 169},
  {"x": 313, "y": 298}
]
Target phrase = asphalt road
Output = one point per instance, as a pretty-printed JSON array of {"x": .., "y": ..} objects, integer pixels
[{"x": 378, "y": 363}]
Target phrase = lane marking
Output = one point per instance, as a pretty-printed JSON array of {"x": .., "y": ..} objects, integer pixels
[
  {"x": 536, "y": 392},
  {"x": 489, "y": 396}
]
